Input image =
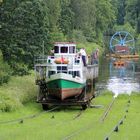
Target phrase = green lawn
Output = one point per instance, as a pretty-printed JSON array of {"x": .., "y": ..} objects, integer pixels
[{"x": 60, "y": 124}]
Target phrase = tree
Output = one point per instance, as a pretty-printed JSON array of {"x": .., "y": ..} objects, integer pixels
[
  {"x": 133, "y": 10},
  {"x": 54, "y": 10},
  {"x": 24, "y": 28},
  {"x": 84, "y": 17},
  {"x": 66, "y": 18},
  {"x": 105, "y": 17},
  {"x": 54, "y": 13},
  {"x": 121, "y": 6}
]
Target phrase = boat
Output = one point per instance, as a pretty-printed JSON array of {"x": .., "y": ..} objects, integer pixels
[
  {"x": 63, "y": 75},
  {"x": 127, "y": 56},
  {"x": 122, "y": 45}
]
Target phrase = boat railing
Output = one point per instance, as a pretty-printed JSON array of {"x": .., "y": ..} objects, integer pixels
[
  {"x": 92, "y": 71},
  {"x": 46, "y": 66},
  {"x": 42, "y": 59}
]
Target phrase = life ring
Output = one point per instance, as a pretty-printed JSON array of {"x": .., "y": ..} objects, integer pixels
[{"x": 61, "y": 60}]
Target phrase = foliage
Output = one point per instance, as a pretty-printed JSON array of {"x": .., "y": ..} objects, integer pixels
[
  {"x": 31, "y": 26},
  {"x": 4, "y": 71},
  {"x": 66, "y": 17},
  {"x": 17, "y": 92},
  {"x": 133, "y": 10},
  {"x": 105, "y": 15},
  {"x": 24, "y": 28},
  {"x": 90, "y": 47},
  {"x": 128, "y": 11},
  {"x": 126, "y": 27},
  {"x": 20, "y": 69},
  {"x": 120, "y": 6},
  {"x": 138, "y": 43},
  {"x": 54, "y": 10},
  {"x": 8, "y": 103},
  {"x": 56, "y": 36},
  {"x": 77, "y": 36}
]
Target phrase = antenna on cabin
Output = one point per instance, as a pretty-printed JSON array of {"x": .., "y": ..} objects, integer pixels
[
  {"x": 43, "y": 48},
  {"x": 43, "y": 55}
]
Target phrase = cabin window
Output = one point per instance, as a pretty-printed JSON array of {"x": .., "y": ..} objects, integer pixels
[
  {"x": 75, "y": 73},
  {"x": 49, "y": 60},
  {"x": 77, "y": 61},
  {"x": 61, "y": 69},
  {"x": 72, "y": 49},
  {"x": 52, "y": 57},
  {"x": 56, "y": 49},
  {"x": 64, "y": 50},
  {"x": 51, "y": 73},
  {"x": 70, "y": 72}
]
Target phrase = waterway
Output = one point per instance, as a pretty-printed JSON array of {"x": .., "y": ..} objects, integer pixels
[{"x": 123, "y": 78}]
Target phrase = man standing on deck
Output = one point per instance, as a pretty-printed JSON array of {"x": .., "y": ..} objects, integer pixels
[
  {"x": 83, "y": 54},
  {"x": 95, "y": 57}
]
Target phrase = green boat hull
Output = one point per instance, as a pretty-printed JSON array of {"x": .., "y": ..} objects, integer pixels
[{"x": 63, "y": 89}]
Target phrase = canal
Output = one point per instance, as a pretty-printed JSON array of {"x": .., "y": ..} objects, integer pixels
[{"x": 120, "y": 76}]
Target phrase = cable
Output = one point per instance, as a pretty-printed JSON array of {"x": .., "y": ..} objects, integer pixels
[{"x": 28, "y": 117}]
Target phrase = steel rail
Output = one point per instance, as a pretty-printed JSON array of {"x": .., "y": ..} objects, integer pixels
[
  {"x": 90, "y": 125},
  {"x": 107, "y": 110}
]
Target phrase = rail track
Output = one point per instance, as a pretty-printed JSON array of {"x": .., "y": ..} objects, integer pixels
[
  {"x": 107, "y": 110},
  {"x": 101, "y": 120}
]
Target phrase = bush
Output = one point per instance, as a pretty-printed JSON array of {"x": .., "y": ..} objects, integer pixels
[
  {"x": 126, "y": 27},
  {"x": 17, "y": 92},
  {"x": 90, "y": 47},
  {"x": 8, "y": 103},
  {"x": 20, "y": 69},
  {"x": 78, "y": 36}
]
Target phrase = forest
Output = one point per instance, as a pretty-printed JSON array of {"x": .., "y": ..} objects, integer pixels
[{"x": 26, "y": 26}]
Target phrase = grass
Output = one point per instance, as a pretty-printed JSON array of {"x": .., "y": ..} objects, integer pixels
[
  {"x": 87, "y": 126},
  {"x": 130, "y": 129},
  {"x": 18, "y": 91}
]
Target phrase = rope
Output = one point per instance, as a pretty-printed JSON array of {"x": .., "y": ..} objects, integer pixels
[{"x": 28, "y": 117}]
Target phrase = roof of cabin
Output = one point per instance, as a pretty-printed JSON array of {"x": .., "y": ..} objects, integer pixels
[{"x": 65, "y": 43}]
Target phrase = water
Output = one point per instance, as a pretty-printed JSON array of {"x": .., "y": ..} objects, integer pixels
[{"x": 119, "y": 79}]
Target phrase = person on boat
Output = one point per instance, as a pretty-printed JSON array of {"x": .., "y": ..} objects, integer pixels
[
  {"x": 52, "y": 51},
  {"x": 95, "y": 57},
  {"x": 84, "y": 55}
]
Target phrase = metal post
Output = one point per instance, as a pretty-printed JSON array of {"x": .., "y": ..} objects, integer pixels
[{"x": 43, "y": 51}]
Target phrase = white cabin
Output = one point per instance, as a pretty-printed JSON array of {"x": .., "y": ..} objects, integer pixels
[{"x": 65, "y": 60}]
